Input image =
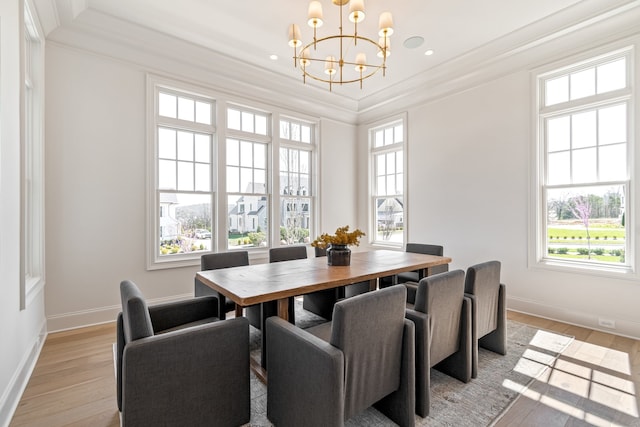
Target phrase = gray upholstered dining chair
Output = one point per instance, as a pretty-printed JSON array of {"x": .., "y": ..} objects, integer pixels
[
  {"x": 321, "y": 302},
  {"x": 415, "y": 276},
  {"x": 442, "y": 317},
  {"x": 178, "y": 364},
  {"x": 326, "y": 374},
  {"x": 488, "y": 309},
  {"x": 215, "y": 261}
]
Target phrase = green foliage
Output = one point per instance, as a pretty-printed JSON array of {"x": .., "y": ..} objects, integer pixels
[
  {"x": 256, "y": 238},
  {"x": 583, "y": 251},
  {"x": 562, "y": 250}
]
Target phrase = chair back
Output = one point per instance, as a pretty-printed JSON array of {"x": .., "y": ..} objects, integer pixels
[
  {"x": 287, "y": 253},
  {"x": 368, "y": 328},
  {"x": 135, "y": 313},
  {"x": 422, "y": 248},
  {"x": 224, "y": 260},
  {"x": 483, "y": 281},
  {"x": 441, "y": 297},
  {"x": 320, "y": 252}
]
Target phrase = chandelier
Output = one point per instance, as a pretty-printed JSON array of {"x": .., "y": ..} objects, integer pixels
[{"x": 322, "y": 51}]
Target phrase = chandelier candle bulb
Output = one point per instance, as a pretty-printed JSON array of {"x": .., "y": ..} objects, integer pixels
[
  {"x": 361, "y": 61},
  {"x": 385, "y": 24},
  {"x": 294, "y": 35},
  {"x": 294, "y": 41},
  {"x": 385, "y": 45},
  {"x": 304, "y": 58},
  {"x": 315, "y": 14},
  {"x": 356, "y": 11},
  {"x": 330, "y": 65}
]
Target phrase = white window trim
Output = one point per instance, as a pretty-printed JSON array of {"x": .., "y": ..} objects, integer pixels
[
  {"x": 372, "y": 213},
  {"x": 32, "y": 161},
  {"x": 155, "y": 261},
  {"x": 537, "y": 221}
]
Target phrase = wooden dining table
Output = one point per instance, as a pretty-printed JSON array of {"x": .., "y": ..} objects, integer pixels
[{"x": 258, "y": 283}]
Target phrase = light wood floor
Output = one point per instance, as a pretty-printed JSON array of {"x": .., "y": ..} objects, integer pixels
[{"x": 595, "y": 382}]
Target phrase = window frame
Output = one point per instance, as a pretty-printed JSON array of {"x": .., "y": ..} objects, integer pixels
[
  {"x": 220, "y": 217},
  {"x": 396, "y": 147},
  {"x": 538, "y": 256},
  {"x": 252, "y": 138},
  {"x": 311, "y": 195},
  {"x": 155, "y": 84},
  {"x": 32, "y": 274}
]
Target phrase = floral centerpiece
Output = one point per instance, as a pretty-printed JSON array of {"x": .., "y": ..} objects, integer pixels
[{"x": 337, "y": 244}]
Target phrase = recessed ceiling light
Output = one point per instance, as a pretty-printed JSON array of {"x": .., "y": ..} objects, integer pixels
[
  {"x": 429, "y": 52},
  {"x": 413, "y": 42},
  {"x": 273, "y": 57}
]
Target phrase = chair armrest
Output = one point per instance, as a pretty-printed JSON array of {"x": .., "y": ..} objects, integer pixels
[
  {"x": 412, "y": 290},
  {"x": 474, "y": 320},
  {"x": 190, "y": 365},
  {"x": 173, "y": 314},
  {"x": 305, "y": 377},
  {"x": 400, "y": 406},
  {"x": 120, "y": 344},
  {"x": 423, "y": 359}
]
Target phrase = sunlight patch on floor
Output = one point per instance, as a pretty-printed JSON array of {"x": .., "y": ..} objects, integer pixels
[{"x": 575, "y": 370}]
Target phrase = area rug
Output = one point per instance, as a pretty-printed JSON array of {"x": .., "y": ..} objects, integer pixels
[{"x": 530, "y": 351}]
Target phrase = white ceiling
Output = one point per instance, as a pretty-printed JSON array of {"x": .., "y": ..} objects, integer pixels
[{"x": 252, "y": 30}]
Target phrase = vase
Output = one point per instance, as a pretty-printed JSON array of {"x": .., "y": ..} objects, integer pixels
[{"x": 338, "y": 255}]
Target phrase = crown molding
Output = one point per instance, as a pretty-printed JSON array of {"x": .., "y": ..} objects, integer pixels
[
  {"x": 162, "y": 54},
  {"x": 523, "y": 49},
  {"x": 48, "y": 16},
  {"x": 587, "y": 24}
]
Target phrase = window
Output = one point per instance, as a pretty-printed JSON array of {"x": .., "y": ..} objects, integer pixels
[
  {"x": 296, "y": 190},
  {"x": 32, "y": 156},
  {"x": 247, "y": 147},
  {"x": 183, "y": 164},
  {"x": 585, "y": 167},
  {"x": 224, "y": 176},
  {"x": 387, "y": 165}
]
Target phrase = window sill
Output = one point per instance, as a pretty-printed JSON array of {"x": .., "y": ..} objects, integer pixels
[{"x": 623, "y": 272}]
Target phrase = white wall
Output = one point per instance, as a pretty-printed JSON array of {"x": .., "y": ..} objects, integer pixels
[
  {"x": 468, "y": 185},
  {"x": 339, "y": 175},
  {"x": 21, "y": 331},
  {"x": 95, "y": 194}
]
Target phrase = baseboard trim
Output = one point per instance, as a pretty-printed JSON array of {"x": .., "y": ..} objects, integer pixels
[
  {"x": 98, "y": 316},
  {"x": 625, "y": 328},
  {"x": 18, "y": 383}
]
